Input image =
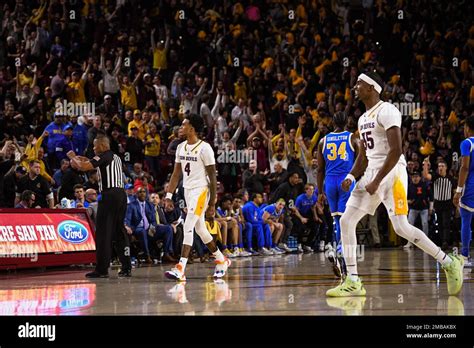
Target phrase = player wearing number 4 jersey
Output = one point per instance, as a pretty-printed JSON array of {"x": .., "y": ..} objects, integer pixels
[
  {"x": 195, "y": 161},
  {"x": 384, "y": 179}
]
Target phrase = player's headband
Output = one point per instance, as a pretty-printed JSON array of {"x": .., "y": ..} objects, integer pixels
[{"x": 370, "y": 81}]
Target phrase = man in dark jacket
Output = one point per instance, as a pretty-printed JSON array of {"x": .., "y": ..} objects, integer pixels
[
  {"x": 253, "y": 180},
  {"x": 70, "y": 178},
  {"x": 140, "y": 220},
  {"x": 419, "y": 198},
  {"x": 289, "y": 190},
  {"x": 163, "y": 227},
  {"x": 10, "y": 185}
]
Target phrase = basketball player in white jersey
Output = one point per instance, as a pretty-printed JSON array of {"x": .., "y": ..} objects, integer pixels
[
  {"x": 382, "y": 166},
  {"x": 195, "y": 161}
]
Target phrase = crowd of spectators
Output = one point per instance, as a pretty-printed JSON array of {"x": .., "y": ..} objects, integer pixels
[{"x": 266, "y": 76}]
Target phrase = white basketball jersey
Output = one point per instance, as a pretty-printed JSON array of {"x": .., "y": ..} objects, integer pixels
[
  {"x": 194, "y": 159},
  {"x": 373, "y": 126}
]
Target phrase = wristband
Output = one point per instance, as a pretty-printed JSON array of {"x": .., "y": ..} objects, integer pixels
[
  {"x": 350, "y": 177},
  {"x": 169, "y": 195},
  {"x": 459, "y": 189}
]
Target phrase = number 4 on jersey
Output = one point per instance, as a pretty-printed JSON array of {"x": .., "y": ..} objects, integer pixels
[{"x": 187, "y": 168}]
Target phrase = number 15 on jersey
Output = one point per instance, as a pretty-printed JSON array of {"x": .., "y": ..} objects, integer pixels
[{"x": 368, "y": 140}]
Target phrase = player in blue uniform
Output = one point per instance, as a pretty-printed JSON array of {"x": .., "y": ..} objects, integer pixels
[
  {"x": 336, "y": 155},
  {"x": 253, "y": 214},
  {"x": 464, "y": 196},
  {"x": 273, "y": 217}
]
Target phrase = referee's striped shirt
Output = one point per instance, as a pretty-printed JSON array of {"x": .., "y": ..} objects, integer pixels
[
  {"x": 109, "y": 170},
  {"x": 442, "y": 188}
]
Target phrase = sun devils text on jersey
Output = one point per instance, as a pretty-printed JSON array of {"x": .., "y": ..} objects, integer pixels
[
  {"x": 194, "y": 159},
  {"x": 373, "y": 126}
]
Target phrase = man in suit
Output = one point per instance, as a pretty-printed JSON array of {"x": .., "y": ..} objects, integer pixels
[
  {"x": 91, "y": 198},
  {"x": 163, "y": 227},
  {"x": 140, "y": 220}
]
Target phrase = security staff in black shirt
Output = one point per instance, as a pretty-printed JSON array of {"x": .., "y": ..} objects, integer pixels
[
  {"x": 111, "y": 208},
  {"x": 35, "y": 182}
]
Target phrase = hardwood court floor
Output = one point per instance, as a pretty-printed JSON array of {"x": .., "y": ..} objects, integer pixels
[{"x": 398, "y": 283}]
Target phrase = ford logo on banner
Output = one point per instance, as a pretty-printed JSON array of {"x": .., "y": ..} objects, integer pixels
[{"x": 73, "y": 232}]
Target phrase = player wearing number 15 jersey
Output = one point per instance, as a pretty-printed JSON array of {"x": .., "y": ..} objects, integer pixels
[
  {"x": 195, "y": 162},
  {"x": 382, "y": 165}
]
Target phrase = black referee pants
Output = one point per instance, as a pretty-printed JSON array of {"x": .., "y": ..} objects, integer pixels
[
  {"x": 110, "y": 228},
  {"x": 444, "y": 210}
]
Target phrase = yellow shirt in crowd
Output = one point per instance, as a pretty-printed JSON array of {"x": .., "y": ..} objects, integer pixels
[
  {"x": 154, "y": 148},
  {"x": 75, "y": 93},
  {"x": 142, "y": 129},
  {"x": 128, "y": 96},
  {"x": 159, "y": 59},
  {"x": 32, "y": 152}
]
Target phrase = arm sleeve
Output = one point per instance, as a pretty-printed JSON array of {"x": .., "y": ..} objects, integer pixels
[
  {"x": 389, "y": 117},
  {"x": 298, "y": 203},
  {"x": 270, "y": 209},
  {"x": 45, "y": 174},
  {"x": 152, "y": 215},
  {"x": 128, "y": 215},
  {"x": 207, "y": 155},
  {"x": 38, "y": 144},
  {"x": 277, "y": 194},
  {"x": 176, "y": 159},
  {"x": 102, "y": 159},
  {"x": 19, "y": 188},
  {"x": 465, "y": 148},
  {"x": 46, "y": 188},
  {"x": 244, "y": 212}
]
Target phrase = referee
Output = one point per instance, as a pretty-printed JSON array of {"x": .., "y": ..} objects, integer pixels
[
  {"x": 443, "y": 185},
  {"x": 111, "y": 208}
]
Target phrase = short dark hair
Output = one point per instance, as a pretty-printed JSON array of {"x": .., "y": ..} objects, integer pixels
[
  {"x": 196, "y": 122},
  {"x": 226, "y": 198},
  {"x": 293, "y": 173},
  {"x": 26, "y": 195},
  {"x": 254, "y": 195},
  {"x": 340, "y": 119},
  {"x": 376, "y": 77},
  {"x": 78, "y": 186},
  {"x": 470, "y": 122}
]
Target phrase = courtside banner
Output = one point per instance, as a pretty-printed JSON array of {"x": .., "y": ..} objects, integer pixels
[{"x": 40, "y": 231}]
